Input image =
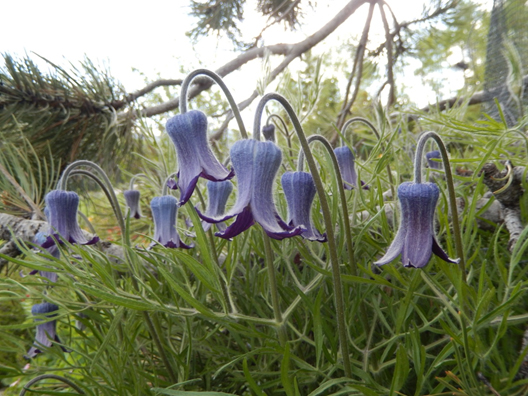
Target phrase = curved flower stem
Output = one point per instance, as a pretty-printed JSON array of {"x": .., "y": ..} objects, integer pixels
[
  {"x": 108, "y": 190},
  {"x": 450, "y": 186},
  {"x": 62, "y": 184},
  {"x": 51, "y": 376},
  {"x": 342, "y": 196},
  {"x": 336, "y": 275},
  {"x": 133, "y": 179},
  {"x": 375, "y": 131},
  {"x": 286, "y": 133},
  {"x": 216, "y": 78},
  {"x": 274, "y": 291},
  {"x": 346, "y": 218}
]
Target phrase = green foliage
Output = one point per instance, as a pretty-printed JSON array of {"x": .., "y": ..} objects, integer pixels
[
  {"x": 461, "y": 31},
  {"x": 210, "y": 307}
]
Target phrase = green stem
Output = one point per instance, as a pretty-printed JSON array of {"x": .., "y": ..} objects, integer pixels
[
  {"x": 161, "y": 350},
  {"x": 109, "y": 190},
  {"x": 268, "y": 252},
  {"x": 133, "y": 179},
  {"x": 450, "y": 186},
  {"x": 285, "y": 133},
  {"x": 346, "y": 218},
  {"x": 62, "y": 184},
  {"x": 216, "y": 78},
  {"x": 51, "y": 376},
  {"x": 336, "y": 275},
  {"x": 375, "y": 131}
]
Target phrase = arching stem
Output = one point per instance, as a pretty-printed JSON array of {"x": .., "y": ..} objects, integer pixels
[
  {"x": 336, "y": 275},
  {"x": 216, "y": 78},
  {"x": 450, "y": 186},
  {"x": 51, "y": 376},
  {"x": 375, "y": 131},
  {"x": 133, "y": 179},
  {"x": 102, "y": 181},
  {"x": 346, "y": 219},
  {"x": 285, "y": 128}
]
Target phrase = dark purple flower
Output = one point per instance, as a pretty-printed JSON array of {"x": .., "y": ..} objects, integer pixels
[
  {"x": 39, "y": 239},
  {"x": 189, "y": 134},
  {"x": 415, "y": 240},
  {"x": 269, "y": 132},
  {"x": 46, "y": 332},
  {"x": 256, "y": 164},
  {"x": 164, "y": 211},
  {"x": 132, "y": 202},
  {"x": 62, "y": 218},
  {"x": 433, "y": 155},
  {"x": 346, "y": 161},
  {"x": 217, "y": 195},
  {"x": 299, "y": 189}
]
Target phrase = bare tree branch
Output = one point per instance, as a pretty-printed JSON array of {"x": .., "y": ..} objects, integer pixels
[
  {"x": 118, "y": 104},
  {"x": 390, "y": 61},
  {"x": 357, "y": 66},
  {"x": 291, "y": 52}
]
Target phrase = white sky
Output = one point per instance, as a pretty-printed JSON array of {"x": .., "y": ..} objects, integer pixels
[{"x": 151, "y": 37}]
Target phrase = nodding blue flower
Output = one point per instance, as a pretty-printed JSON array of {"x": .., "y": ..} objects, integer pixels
[
  {"x": 256, "y": 164},
  {"x": 46, "y": 332},
  {"x": 164, "y": 211},
  {"x": 346, "y": 161},
  {"x": 39, "y": 239},
  {"x": 415, "y": 240},
  {"x": 217, "y": 195},
  {"x": 433, "y": 155},
  {"x": 299, "y": 189},
  {"x": 188, "y": 132},
  {"x": 132, "y": 202},
  {"x": 62, "y": 218}
]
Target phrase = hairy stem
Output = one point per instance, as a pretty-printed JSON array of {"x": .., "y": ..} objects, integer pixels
[
  {"x": 213, "y": 76},
  {"x": 336, "y": 275}
]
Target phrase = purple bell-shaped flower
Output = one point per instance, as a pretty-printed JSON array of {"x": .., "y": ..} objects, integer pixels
[
  {"x": 62, "y": 218},
  {"x": 46, "y": 332},
  {"x": 256, "y": 164},
  {"x": 299, "y": 189},
  {"x": 346, "y": 161},
  {"x": 132, "y": 202},
  {"x": 217, "y": 195},
  {"x": 39, "y": 239},
  {"x": 188, "y": 132},
  {"x": 164, "y": 211},
  {"x": 431, "y": 156},
  {"x": 415, "y": 240}
]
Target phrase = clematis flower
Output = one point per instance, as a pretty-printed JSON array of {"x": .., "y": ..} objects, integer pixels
[
  {"x": 39, "y": 239},
  {"x": 62, "y": 218},
  {"x": 256, "y": 164},
  {"x": 433, "y": 155},
  {"x": 346, "y": 161},
  {"x": 189, "y": 134},
  {"x": 217, "y": 195},
  {"x": 164, "y": 211},
  {"x": 415, "y": 240},
  {"x": 132, "y": 202},
  {"x": 46, "y": 332},
  {"x": 269, "y": 132},
  {"x": 299, "y": 189}
]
